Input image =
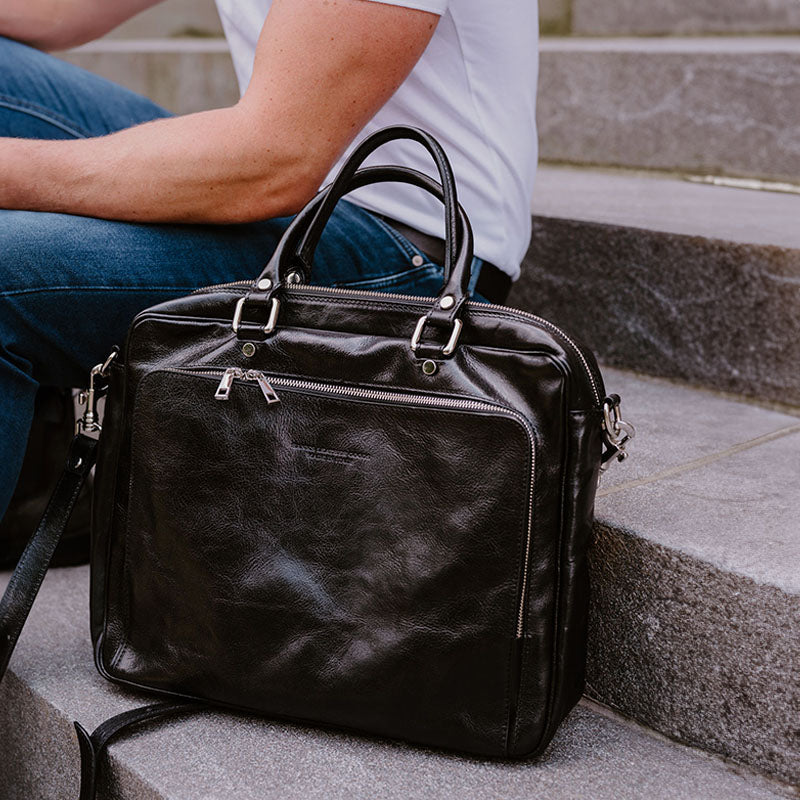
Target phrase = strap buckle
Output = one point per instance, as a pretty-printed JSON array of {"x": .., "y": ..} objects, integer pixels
[
  {"x": 272, "y": 321},
  {"x": 616, "y": 432},
  {"x": 449, "y": 348},
  {"x": 89, "y": 422}
]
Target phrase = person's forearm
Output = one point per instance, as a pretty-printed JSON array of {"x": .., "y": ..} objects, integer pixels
[{"x": 207, "y": 167}]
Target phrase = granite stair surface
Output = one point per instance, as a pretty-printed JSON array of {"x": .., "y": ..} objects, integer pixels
[
  {"x": 685, "y": 280},
  {"x": 681, "y": 17},
  {"x": 721, "y": 105},
  {"x": 695, "y": 631}
]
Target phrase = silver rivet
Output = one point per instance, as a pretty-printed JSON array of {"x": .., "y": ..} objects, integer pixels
[
  {"x": 429, "y": 367},
  {"x": 418, "y": 260},
  {"x": 264, "y": 284},
  {"x": 249, "y": 349},
  {"x": 294, "y": 277},
  {"x": 448, "y": 301}
]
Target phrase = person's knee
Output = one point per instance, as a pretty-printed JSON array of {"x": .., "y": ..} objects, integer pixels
[
  {"x": 32, "y": 106},
  {"x": 21, "y": 67}
]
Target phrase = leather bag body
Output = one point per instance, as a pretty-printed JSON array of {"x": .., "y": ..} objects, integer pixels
[{"x": 362, "y": 510}]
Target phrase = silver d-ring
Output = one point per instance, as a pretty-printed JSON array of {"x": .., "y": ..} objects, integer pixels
[
  {"x": 237, "y": 314},
  {"x": 273, "y": 316},
  {"x": 272, "y": 322},
  {"x": 451, "y": 342}
]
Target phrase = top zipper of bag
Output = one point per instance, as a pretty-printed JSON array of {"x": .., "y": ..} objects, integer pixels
[
  {"x": 267, "y": 383},
  {"x": 594, "y": 379}
]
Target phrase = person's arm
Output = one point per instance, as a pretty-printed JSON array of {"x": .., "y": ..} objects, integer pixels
[
  {"x": 322, "y": 69},
  {"x": 59, "y": 24}
]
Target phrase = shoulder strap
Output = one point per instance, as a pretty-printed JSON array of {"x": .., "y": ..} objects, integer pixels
[
  {"x": 93, "y": 744},
  {"x": 24, "y": 585},
  {"x": 26, "y": 580}
]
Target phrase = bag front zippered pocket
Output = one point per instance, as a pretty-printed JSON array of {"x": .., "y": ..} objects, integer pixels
[
  {"x": 267, "y": 383},
  {"x": 292, "y": 543}
]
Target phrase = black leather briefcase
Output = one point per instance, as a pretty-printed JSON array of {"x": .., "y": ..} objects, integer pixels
[{"x": 356, "y": 509}]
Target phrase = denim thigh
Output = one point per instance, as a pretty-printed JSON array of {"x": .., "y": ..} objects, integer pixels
[{"x": 42, "y": 97}]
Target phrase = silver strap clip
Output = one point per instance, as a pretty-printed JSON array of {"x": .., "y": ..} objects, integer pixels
[
  {"x": 272, "y": 322},
  {"x": 89, "y": 422},
  {"x": 616, "y": 432}
]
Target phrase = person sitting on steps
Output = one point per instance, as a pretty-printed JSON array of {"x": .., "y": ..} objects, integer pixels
[{"x": 109, "y": 204}]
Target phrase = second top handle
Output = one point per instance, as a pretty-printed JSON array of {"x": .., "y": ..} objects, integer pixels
[{"x": 286, "y": 257}]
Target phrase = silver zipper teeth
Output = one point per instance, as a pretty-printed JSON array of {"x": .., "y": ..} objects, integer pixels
[
  {"x": 411, "y": 399},
  {"x": 307, "y": 287}
]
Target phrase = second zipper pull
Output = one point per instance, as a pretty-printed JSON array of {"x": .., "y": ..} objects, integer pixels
[{"x": 269, "y": 393}]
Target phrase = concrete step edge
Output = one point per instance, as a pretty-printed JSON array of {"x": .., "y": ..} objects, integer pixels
[
  {"x": 670, "y": 203},
  {"x": 734, "y": 44},
  {"x": 172, "y": 44}
]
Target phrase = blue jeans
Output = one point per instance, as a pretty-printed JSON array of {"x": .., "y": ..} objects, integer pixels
[{"x": 70, "y": 286}]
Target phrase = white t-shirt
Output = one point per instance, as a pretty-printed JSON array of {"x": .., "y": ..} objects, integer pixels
[{"x": 474, "y": 89}]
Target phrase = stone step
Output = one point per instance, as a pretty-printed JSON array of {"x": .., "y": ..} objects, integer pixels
[
  {"x": 695, "y": 613},
  {"x": 713, "y": 105},
  {"x": 695, "y": 629},
  {"x": 172, "y": 18},
  {"x": 682, "y": 17},
  {"x": 669, "y": 277},
  {"x": 183, "y": 75}
]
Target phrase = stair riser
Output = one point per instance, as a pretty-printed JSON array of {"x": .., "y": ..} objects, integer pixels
[
  {"x": 35, "y": 736},
  {"x": 713, "y": 313},
  {"x": 172, "y": 18},
  {"x": 705, "y": 657},
  {"x": 725, "y": 112},
  {"x": 683, "y": 17},
  {"x": 180, "y": 81}
]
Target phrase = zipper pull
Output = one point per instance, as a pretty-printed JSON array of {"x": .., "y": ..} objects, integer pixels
[
  {"x": 224, "y": 389},
  {"x": 269, "y": 393}
]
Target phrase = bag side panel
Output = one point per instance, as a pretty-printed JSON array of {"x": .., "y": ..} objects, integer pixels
[
  {"x": 581, "y": 476},
  {"x": 104, "y": 494}
]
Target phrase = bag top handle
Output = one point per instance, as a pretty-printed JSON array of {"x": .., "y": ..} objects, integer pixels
[{"x": 445, "y": 310}]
